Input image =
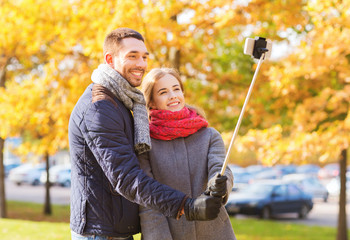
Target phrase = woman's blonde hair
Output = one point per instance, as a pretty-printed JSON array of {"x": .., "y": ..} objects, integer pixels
[{"x": 153, "y": 76}]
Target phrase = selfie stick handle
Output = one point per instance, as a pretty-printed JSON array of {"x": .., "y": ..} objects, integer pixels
[{"x": 241, "y": 115}]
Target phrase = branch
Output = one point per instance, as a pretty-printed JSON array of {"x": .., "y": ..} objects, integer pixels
[{"x": 3, "y": 73}]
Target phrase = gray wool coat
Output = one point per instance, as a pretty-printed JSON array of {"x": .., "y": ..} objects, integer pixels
[{"x": 186, "y": 164}]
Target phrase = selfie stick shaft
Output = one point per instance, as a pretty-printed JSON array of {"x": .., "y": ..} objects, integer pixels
[{"x": 241, "y": 114}]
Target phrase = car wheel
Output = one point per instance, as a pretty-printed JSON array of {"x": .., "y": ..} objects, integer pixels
[
  {"x": 35, "y": 182},
  {"x": 266, "y": 213},
  {"x": 303, "y": 212},
  {"x": 325, "y": 198},
  {"x": 66, "y": 183},
  {"x": 231, "y": 214}
]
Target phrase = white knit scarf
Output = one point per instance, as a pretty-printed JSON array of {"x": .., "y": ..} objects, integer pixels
[{"x": 132, "y": 98}]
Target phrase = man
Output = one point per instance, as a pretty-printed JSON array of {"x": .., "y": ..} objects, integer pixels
[{"x": 104, "y": 138}]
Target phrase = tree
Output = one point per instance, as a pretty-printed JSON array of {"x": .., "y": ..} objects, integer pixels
[
  {"x": 37, "y": 24},
  {"x": 3, "y": 213},
  {"x": 44, "y": 107},
  {"x": 14, "y": 49}
]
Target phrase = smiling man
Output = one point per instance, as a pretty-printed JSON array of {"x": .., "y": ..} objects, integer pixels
[
  {"x": 130, "y": 60},
  {"x": 108, "y": 127}
]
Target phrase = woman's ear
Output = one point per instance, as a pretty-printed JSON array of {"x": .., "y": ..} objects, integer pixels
[
  {"x": 109, "y": 60},
  {"x": 151, "y": 105}
]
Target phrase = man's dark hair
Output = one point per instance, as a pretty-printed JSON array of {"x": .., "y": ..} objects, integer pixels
[{"x": 113, "y": 40}]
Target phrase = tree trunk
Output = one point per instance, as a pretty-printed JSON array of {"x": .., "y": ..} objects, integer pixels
[
  {"x": 174, "y": 57},
  {"x": 342, "y": 232},
  {"x": 3, "y": 213},
  {"x": 174, "y": 53},
  {"x": 47, "y": 204}
]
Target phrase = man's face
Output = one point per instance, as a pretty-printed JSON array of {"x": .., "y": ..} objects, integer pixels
[{"x": 131, "y": 60}]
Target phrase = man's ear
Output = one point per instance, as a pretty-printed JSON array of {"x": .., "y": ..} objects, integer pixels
[{"x": 109, "y": 60}]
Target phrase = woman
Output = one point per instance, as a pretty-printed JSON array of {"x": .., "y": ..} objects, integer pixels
[{"x": 185, "y": 154}]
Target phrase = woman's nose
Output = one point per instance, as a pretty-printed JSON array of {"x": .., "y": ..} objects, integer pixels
[{"x": 172, "y": 94}]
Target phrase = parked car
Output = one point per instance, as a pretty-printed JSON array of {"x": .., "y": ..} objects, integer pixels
[
  {"x": 234, "y": 167},
  {"x": 329, "y": 171},
  {"x": 286, "y": 169},
  {"x": 309, "y": 184},
  {"x": 268, "y": 173},
  {"x": 333, "y": 186},
  {"x": 241, "y": 178},
  {"x": 269, "y": 198},
  {"x": 59, "y": 175},
  {"x": 254, "y": 169},
  {"x": 308, "y": 168},
  {"x": 9, "y": 167},
  {"x": 27, "y": 173}
]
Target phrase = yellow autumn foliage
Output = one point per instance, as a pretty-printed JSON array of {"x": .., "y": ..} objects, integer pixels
[{"x": 299, "y": 111}]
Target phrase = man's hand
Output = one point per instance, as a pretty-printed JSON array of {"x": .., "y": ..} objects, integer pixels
[
  {"x": 217, "y": 186},
  {"x": 202, "y": 208}
]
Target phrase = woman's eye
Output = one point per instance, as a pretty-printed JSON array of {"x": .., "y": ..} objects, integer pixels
[{"x": 132, "y": 56}]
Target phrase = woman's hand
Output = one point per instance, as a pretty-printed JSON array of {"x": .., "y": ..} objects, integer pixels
[{"x": 217, "y": 186}]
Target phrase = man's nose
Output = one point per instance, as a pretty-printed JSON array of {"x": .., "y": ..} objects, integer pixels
[{"x": 141, "y": 62}]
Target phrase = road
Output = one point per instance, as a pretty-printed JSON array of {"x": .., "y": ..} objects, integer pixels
[
  {"x": 323, "y": 214},
  {"x": 28, "y": 193}
]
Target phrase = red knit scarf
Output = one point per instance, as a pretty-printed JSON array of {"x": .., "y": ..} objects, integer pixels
[{"x": 168, "y": 125}]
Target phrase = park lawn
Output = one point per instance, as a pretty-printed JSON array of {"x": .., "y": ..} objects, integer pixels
[
  {"x": 26, "y": 222},
  {"x": 27, "y": 230},
  {"x": 34, "y": 212},
  {"x": 14, "y": 229},
  {"x": 256, "y": 229},
  {"x": 246, "y": 229}
]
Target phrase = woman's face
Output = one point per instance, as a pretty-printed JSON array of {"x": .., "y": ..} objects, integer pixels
[{"x": 167, "y": 94}]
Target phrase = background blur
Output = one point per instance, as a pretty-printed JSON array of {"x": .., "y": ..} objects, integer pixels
[{"x": 299, "y": 109}]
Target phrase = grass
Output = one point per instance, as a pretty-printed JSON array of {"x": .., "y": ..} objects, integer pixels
[
  {"x": 26, "y": 222},
  {"x": 27, "y": 230},
  {"x": 34, "y": 212},
  {"x": 256, "y": 229}
]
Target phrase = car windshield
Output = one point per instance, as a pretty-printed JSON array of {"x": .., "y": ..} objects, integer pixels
[{"x": 259, "y": 189}]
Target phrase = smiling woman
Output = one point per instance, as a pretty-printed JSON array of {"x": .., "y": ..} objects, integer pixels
[
  {"x": 167, "y": 94},
  {"x": 185, "y": 155}
]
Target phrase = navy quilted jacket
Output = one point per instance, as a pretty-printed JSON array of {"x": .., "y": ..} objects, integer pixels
[{"x": 106, "y": 177}]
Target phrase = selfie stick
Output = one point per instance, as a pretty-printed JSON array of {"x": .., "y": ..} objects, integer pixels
[{"x": 242, "y": 111}]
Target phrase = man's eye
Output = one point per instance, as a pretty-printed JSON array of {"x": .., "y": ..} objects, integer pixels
[
  {"x": 145, "y": 58},
  {"x": 132, "y": 56}
]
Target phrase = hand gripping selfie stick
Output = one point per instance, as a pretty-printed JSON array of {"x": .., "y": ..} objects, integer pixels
[{"x": 259, "y": 49}]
